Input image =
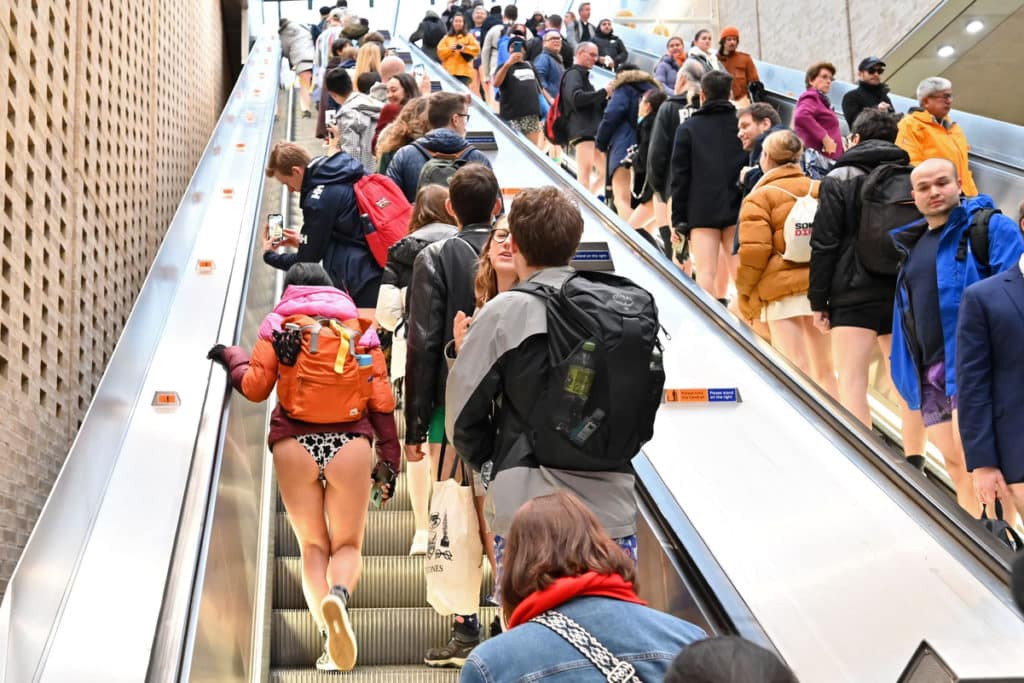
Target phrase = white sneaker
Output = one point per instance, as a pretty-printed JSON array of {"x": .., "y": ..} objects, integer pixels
[
  {"x": 419, "y": 542},
  {"x": 341, "y": 639}
]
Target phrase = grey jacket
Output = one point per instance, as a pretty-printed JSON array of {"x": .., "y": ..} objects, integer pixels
[
  {"x": 357, "y": 121},
  {"x": 492, "y": 388},
  {"x": 297, "y": 45}
]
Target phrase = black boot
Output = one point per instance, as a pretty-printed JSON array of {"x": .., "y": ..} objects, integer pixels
[{"x": 666, "y": 240}]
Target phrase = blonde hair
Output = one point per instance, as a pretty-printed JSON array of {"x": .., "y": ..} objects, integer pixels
[
  {"x": 783, "y": 147},
  {"x": 368, "y": 59}
]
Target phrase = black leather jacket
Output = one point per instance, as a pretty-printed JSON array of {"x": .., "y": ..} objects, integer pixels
[{"x": 443, "y": 283}]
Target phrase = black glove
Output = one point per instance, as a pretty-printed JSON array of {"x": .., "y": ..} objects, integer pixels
[{"x": 216, "y": 354}]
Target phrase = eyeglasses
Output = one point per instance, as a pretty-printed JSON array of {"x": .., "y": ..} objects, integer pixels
[
  {"x": 878, "y": 70},
  {"x": 500, "y": 235},
  {"x": 942, "y": 95},
  {"x": 465, "y": 116}
]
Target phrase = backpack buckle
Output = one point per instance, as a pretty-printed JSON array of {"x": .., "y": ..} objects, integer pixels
[{"x": 622, "y": 673}]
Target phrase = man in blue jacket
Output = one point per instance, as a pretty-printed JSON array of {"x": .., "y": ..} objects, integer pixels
[
  {"x": 332, "y": 231},
  {"x": 447, "y": 113},
  {"x": 990, "y": 378},
  {"x": 939, "y": 263}
]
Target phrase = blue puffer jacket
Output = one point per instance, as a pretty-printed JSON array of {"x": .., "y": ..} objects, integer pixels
[
  {"x": 331, "y": 229},
  {"x": 531, "y": 652},
  {"x": 666, "y": 72},
  {"x": 1004, "y": 250},
  {"x": 407, "y": 163},
  {"x": 617, "y": 132}
]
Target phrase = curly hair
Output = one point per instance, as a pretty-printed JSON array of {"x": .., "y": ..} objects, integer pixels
[{"x": 410, "y": 125}]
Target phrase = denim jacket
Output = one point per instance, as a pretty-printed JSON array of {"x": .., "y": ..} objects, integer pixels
[{"x": 534, "y": 652}]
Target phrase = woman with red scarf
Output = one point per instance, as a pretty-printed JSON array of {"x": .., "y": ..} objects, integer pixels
[{"x": 562, "y": 574}]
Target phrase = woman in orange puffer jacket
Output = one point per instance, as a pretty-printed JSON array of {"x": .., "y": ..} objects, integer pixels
[
  {"x": 772, "y": 288},
  {"x": 334, "y": 397},
  {"x": 458, "y": 49}
]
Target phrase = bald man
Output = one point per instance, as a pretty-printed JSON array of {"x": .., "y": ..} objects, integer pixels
[
  {"x": 941, "y": 259},
  {"x": 391, "y": 66}
]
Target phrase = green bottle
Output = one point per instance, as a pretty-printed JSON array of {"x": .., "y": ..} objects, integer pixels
[{"x": 578, "y": 382}]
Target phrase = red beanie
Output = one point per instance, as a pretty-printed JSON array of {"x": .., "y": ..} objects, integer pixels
[{"x": 730, "y": 32}]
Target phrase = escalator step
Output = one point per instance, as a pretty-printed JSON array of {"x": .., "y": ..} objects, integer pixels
[
  {"x": 369, "y": 674},
  {"x": 385, "y": 582},
  {"x": 385, "y": 636},
  {"x": 399, "y": 502},
  {"x": 388, "y": 532}
]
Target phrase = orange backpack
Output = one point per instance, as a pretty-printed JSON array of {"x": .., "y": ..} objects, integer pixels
[{"x": 328, "y": 383}]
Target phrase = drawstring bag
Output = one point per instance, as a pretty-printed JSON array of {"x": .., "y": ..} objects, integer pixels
[
  {"x": 454, "y": 561},
  {"x": 797, "y": 229}
]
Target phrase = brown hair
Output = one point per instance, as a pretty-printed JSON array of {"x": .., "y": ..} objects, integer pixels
[
  {"x": 783, "y": 147},
  {"x": 473, "y": 191},
  {"x": 368, "y": 59},
  {"x": 443, "y": 106},
  {"x": 815, "y": 69},
  {"x": 552, "y": 537},
  {"x": 429, "y": 207},
  {"x": 546, "y": 226},
  {"x": 486, "y": 284},
  {"x": 284, "y": 157},
  {"x": 410, "y": 124}
]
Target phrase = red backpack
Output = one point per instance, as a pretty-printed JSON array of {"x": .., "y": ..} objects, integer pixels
[
  {"x": 556, "y": 125},
  {"x": 384, "y": 212}
]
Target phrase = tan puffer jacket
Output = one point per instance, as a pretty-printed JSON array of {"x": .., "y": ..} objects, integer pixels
[{"x": 763, "y": 275}]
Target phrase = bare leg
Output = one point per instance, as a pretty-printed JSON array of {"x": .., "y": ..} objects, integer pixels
[
  {"x": 788, "y": 339},
  {"x": 851, "y": 350},
  {"x": 911, "y": 422},
  {"x": 732, "y": 261},
  {"x": 946, "y": 437},
  {"x": 418, "y": 476},
  {"x": 1017, "y": 496},
  {"x": 305, "y": 90},
  {"x": 347, "y": 497},
  {"x": 535, "y": 137},
  {"x": 585, "y": 163},
  {"x": 486, "y": 537},
  {"x": 620, "y": 190},
  {"x": 722, "y": 276},
  {"x": 303, "y": 496},
  {"x": 642, "y": 216},
  {"x": 704, "y": 247},
  {"x": 820, "y": 356},
  {"x": 600, "y": 165}
]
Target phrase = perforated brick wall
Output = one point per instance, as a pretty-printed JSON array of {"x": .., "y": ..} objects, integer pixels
[{"x": 105, "y": 108}]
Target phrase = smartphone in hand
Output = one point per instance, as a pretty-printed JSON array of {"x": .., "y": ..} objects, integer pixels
[{"x": 275, "y": 227}]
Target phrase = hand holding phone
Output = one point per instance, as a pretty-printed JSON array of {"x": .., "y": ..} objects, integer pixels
[{"x": 275, "y": 228}]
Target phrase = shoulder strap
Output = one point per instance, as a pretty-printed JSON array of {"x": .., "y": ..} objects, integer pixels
[
  {"x": 977, "y": 233},
  {"x": 424, "y": 151},
  {"x": 615, "y": 670}
]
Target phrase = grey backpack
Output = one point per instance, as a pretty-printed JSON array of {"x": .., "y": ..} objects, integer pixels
[{"x": 440, "y": 167}]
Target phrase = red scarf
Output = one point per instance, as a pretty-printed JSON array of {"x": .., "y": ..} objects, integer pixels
[{"x": 565, "y": 589}]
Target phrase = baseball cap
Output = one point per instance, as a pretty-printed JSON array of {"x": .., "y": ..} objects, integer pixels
[{"x": 869, "y": 62}]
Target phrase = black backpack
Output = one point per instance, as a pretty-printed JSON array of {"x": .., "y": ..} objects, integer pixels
[
  {"x": 977, "y": 234},
  {"x": 621, "y": 319},
  {"x": 886, "y": 204}
]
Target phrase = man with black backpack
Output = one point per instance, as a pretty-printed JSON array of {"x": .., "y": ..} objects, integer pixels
[
  {"x": 956, "y": 244},
  {"x": 434, "y": 158},
  {"x": 854, "y": 262},
  {"x": 558, "y": 380}
]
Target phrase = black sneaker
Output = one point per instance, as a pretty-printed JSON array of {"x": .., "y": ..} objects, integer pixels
[
  {"x": 341, "y": 639},
  {"x": 496, "y": 629},
  {"x": 455, "y": 652}
]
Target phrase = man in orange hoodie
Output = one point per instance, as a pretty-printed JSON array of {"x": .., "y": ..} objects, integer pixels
[
  {"x": 739, "y": 64},
  {"x": 932, "y": 134}
]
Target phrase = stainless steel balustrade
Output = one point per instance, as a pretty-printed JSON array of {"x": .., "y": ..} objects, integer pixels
[
  {"x": 844, "y": 564},
  {"x": 86, "y": 597}
]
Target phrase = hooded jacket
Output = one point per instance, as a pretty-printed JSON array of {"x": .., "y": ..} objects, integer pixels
[
  {"x": 666, "y": 71},
  {"x": 408, "y": 161},
  {"x": 331, "y": 230},
  {"x": 443, "y": 283},
  {"x": 864, "y": 96},
  {"x": 581, "y": 103},
  {"x": 431, "y": 30},
  {"x": 617, "y": 132},
  {"x": 392, "y": 302},
  {"x": 813, "y": 119},
  {"x": 675, "y": 110},
  {"x": 255, "y": 375},
  {"x": 837, "y": 276},
  {"x": 357, "y": 123},
  {"x": 763, "y": 275},
  {"x": 458, "y": 62},
  {"x": 696, "y": 65},
  {"x": 1005, "y": 247},
  {"x": 297, "y": 45},
  {"x": 706, "y": 161},
  {"x": 610, "y": 45},
  {"x": 925, "y": 138}
]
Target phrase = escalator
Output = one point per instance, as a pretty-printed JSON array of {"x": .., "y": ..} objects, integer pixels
[{"x": 164, "y": 554}]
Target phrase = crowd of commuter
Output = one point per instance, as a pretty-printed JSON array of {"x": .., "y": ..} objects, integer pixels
[{"x": 833, "y": 246}]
